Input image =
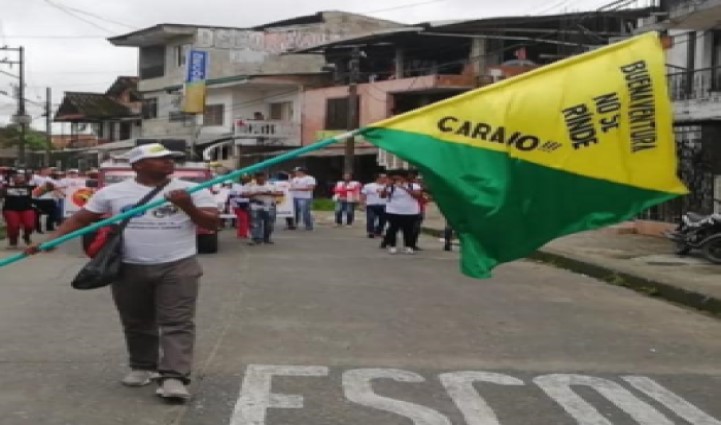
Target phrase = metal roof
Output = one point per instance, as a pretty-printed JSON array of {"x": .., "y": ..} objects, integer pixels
[{"x": 87, "y": 107}]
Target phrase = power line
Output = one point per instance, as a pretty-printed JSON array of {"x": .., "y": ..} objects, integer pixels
[
  {"x": 68, "y": 12},
  {"x": 84, "y": 12},
  {"x": 404, "y": 6},
  {"x": 556, "y": 5}
]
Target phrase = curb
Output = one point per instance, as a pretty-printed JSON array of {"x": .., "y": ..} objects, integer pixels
[{"x": 646, "y": 286}]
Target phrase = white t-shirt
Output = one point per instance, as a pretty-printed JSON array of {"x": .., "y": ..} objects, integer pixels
[
  {"x": 304, "y": 182},
  {"x": 401, "y": 202},
  {"x": 43, "y": 180},
  {"x": 372, "y": 192},
  {"x": 237, "y": 196},
  {"x": 72, "y": 183},
  {"x": 268, "y": 201},
  {"x": 160, "y": 235}
]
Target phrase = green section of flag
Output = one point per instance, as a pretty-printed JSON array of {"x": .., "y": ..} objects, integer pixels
[{"x": 504, "y": 208}]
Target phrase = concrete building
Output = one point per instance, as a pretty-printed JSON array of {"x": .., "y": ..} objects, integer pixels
[
  {"x": 254, "y": 90},
  {"x": 405, "y": 68},
  {"x": 110, "y": 116},
  {"x": 694, "y": 66}
]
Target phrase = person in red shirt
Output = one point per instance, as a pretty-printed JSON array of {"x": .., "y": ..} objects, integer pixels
[
  {"x": 347, "y": 195},
  {"x": 18, "y": 210}
]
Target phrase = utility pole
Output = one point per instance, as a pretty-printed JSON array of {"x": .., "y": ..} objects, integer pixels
[
  {"x": 21, "y": 118},
  {"x": 21, "y": 110},
  {"x": 353, "y": 121},
  {"x": 48, "y": 126}
]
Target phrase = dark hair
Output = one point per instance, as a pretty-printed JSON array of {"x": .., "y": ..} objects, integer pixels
[
  {"x": 398, "y": 172},
  {"x": 260, "y": 174}
]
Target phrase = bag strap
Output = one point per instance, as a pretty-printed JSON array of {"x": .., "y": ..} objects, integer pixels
[{"x": 144, "y": 200}]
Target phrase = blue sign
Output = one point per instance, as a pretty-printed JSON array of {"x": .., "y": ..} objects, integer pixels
[{"x": 197, "y": 70}]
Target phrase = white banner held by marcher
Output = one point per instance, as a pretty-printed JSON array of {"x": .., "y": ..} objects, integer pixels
[
  {"x": 76, "y": 196},
  {"x": 284, "y": 207}
]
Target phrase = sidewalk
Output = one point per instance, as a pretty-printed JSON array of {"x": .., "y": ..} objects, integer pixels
[{"x": 643, "y": 263}]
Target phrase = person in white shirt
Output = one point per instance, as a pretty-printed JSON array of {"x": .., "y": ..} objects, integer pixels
[
  {"x": 375, "y": 206},
  {"x": 240, "y": 204},
  {"x": 157, "y": 291},
  {"x": 69, "y": 185},
  {"x": 45, "y": 198},
  {"x": 302, "y": 187},
  {"x": 402, "y": 209},
  {"x": 347, "y": 194},
  {"x": 262, "y": 195}
]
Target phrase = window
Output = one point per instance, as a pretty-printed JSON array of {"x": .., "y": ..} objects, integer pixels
[
  {"x": 180, "y": 116},
  {"x": 181, "y": 53},
  {"x": 126, "y": 130},
  {"x": 152, "y": 62},
  {"x": 214, "y": 115},
  {"x": 282, "y": 111},
  {"x": 336, "y": 113},
  {"x": 112, "y": 136},
  {"x": 150, "y": 108}
]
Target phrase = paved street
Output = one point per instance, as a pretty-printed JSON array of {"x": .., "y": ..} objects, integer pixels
[{"x": 324, "y": 328}]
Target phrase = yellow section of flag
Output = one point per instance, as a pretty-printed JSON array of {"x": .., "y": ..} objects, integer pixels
[{"x": 605, "y": 114}]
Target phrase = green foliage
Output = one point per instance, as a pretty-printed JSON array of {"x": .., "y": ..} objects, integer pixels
[
  {"x": 323, "y": 204},
  {"x": 10, "y": 137}
]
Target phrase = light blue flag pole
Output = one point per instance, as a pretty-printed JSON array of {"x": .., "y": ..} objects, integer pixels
[{"x": 220, "y": 179}]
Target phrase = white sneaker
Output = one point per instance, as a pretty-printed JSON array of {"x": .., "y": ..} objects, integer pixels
[
  {"x": 173, "y": 389},
  {"x": 410, "y": 251},
  {"x": 392, "y": 250},
  {"x": 139, "y": 378}
]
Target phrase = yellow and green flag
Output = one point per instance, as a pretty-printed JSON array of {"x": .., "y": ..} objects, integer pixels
[{"x": 572, "y": 146}]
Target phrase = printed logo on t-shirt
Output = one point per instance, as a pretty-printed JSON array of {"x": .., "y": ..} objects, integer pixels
[
  {"x": 165, "y": 211},
  {"x": 130, "y": 207}
]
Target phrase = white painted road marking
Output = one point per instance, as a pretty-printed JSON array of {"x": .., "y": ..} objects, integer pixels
[
  {"x": 474, "y": 408},
  {"x": 679, "y": 406},
  {"x": 558, "y": 387},
  {"x": 358, "y": 389},
  {"x": 256, "y": 398},
  {"x": 357, "y": 384}
]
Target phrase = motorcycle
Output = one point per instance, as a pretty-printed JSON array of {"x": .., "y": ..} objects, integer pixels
[{"x": 701, "y": 232}]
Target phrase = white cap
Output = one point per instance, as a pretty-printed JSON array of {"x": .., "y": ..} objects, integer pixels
[{"x": 152, "y": 150}]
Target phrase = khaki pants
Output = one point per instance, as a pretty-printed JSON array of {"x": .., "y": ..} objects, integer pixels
[{"x": 157, "y": 310}]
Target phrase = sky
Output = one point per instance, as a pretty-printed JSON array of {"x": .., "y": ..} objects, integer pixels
[{"x": 67, "y": 50}]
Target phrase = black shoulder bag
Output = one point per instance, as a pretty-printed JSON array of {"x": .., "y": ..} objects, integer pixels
[{"x": 104, "y": 268}]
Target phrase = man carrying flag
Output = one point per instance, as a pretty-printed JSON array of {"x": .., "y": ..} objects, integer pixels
[
  {"x": 158, "y": 288},
  {"x": 521, "y": 162}
]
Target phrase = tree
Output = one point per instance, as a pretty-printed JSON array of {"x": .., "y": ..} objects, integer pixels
[{"x": 10, "y": 137}]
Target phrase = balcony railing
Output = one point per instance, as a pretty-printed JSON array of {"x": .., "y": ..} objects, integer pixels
[
  {"x": 698, "y": 84},
  {"x": 266, "y": 132}
]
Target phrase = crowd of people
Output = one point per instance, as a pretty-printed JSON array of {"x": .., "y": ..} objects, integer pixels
[
  {"x": 393, "y": 203},
  {"x": 28, "y": 195},
  {"x": 157, "y": 286}
]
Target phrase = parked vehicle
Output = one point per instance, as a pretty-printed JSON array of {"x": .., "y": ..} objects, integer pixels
[{"x": 700, "y": 232}]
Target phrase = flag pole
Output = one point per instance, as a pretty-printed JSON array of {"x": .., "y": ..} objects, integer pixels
[{"x": 220, "y": 179}]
